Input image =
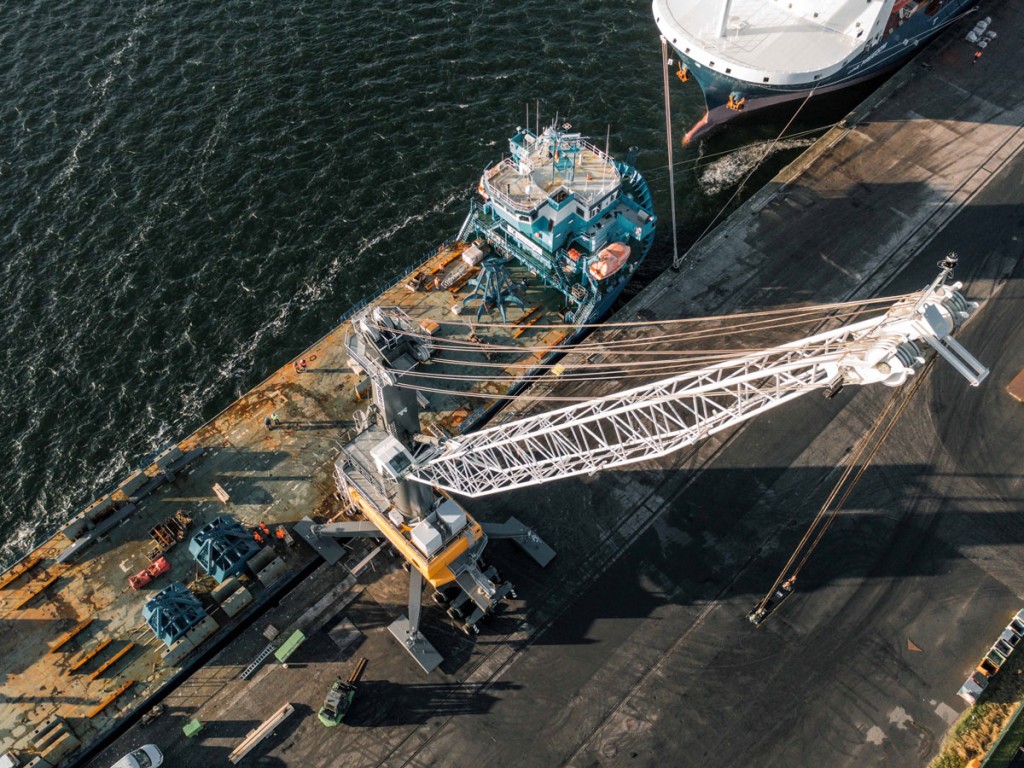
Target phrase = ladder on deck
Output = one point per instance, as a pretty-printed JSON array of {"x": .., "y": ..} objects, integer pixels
[{"x": 255, "y": 663}]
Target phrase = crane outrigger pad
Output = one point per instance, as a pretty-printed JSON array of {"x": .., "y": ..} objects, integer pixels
[
  {"x": 417, "y": 646},
  {"x": 524, "y": 536}
]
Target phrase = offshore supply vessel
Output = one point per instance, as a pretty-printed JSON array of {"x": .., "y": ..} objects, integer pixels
[
  {"x": 131, "y": 593},
  {"x": 749, "y": 54}
]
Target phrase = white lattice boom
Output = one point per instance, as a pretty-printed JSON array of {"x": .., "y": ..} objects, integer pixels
[{"x": 655, "y": 419}]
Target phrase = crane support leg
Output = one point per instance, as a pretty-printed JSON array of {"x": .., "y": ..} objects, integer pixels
[
  {"x": 324, "y": 539},
  {"x": 358, "y": 529},
  {"x": 407, "y": 630},
  {"x": 524, "y": 536}
]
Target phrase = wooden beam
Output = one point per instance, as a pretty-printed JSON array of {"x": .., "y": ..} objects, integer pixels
[
  {"x": 527, "y": 320},
  {"x": 110, "y": 699},
  {"x": 69, "y": 636},
  {"x": 39, "y": 589},
  {"x": 90, "y": 655},
  {"x": 111, "y": 661},
  {"x": 19, "y": 570},
  {"x": 260, "y": 732}
]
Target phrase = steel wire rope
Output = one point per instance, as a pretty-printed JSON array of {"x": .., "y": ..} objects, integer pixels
[
  {"x": 677, "y": 320},
  {"x": 582, "y": 399},
  {"x": 613, "y": 347},
  {"x": 638, "y": 346},
  {"x": 654, "y": 365},
  {"x": 739, "y": 187},
  {"x": 633, "y": 346},
  {"x": 753, "y": 327},
  {"x": 905, "y": 402},
  {"x": 661, "y": 371},
  {"x": 898, "y": 401},
  {"x": 658, "y": 170},
  {"x": 826, "y": 351}
]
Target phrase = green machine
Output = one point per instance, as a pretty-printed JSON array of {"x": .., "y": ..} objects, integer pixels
[{"x": 339, "y": 698}]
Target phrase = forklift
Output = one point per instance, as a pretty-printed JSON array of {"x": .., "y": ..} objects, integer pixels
[{"x": 339, "y": 698}]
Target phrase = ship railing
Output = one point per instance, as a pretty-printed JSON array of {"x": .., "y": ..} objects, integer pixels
[
  {"x": 505, "y": 199},
  {"x": 599, "y": 152},
  {"x": 378, "y": 288}
]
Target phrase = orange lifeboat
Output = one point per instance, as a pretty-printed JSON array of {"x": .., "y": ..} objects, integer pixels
[{"x": 609, "y": 261}]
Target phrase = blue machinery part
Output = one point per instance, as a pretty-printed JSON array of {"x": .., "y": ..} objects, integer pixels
[
  {"x": 222, "y": 547},
  {"x": 495, "y": 287},
  {"x": 173, "y": 612}
]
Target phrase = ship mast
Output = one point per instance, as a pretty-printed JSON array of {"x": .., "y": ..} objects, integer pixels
[{"x": 724, "y": 18}]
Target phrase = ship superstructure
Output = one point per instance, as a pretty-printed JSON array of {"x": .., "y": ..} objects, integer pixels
[
  {"x": 750, "y": 54},
  {"x": 569, "y": 214}
]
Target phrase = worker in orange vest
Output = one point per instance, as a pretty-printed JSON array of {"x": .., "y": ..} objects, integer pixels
[
  {"x": 279, "y": 532},
  {"x": 264, "y": 528},
  {"x": 256, "y": 535}
]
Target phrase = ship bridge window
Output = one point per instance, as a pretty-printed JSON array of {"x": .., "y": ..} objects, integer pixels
[
  {"x": 728, "y": 70},
  {"x": 766, "y": 80},
  {"x": 580, "y": 212}
]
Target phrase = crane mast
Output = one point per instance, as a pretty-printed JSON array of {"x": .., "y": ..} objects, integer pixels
[{"x": 655, "y": 419}]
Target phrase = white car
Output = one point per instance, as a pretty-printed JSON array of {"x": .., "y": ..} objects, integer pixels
[{"x": 147, "y": 756}]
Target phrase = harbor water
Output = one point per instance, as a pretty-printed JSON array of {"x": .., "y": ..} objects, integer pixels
[{"x": 193, "y": 192}]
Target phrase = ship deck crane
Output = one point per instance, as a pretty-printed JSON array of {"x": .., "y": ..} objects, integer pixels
[{"x": 401, "y": 480}]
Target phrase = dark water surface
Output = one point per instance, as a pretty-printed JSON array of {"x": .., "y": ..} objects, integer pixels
[{"x": 192, "y": 192}]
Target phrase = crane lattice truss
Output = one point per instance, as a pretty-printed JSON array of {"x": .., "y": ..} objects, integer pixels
[{"x": 655, "y": 419}]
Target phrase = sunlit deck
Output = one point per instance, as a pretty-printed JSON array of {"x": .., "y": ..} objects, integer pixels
[{"x": 577, "y": 166}]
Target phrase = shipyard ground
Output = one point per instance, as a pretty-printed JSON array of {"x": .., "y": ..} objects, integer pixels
[{"x": 632, "y": 647}]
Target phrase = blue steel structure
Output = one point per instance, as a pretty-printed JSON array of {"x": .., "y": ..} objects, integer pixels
[
  {"x": 222, "y": 547},
  {"x": 173, "y": 612}
]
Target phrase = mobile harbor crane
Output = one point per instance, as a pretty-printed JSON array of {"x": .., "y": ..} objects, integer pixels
[{"x": 400, "y": 479}]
